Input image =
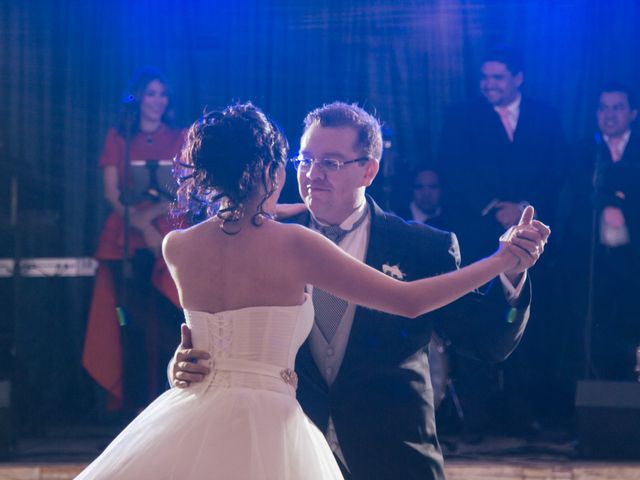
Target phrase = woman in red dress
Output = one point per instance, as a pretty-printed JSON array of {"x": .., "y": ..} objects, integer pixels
[{"x": 134, "y": 323}]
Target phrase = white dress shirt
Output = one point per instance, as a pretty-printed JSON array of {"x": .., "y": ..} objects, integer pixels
[{"x": 622, "y": 144}]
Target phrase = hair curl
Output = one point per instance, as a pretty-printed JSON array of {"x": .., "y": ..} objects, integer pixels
[{"x": 225, "y": 156}]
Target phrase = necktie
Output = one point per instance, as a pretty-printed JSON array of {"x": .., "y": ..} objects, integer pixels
[
  {"x": 334, "y": 232},
  {"x": 329, "y": 309},
  {"x": 504, "y": 118},
  {"x": 614, "y": 148}
]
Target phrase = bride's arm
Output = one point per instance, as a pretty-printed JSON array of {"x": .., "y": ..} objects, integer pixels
[
  {"x": 320, "y": 263},
  {"x": 183, "y": 368},
  {"x": 325, "y": 266}
]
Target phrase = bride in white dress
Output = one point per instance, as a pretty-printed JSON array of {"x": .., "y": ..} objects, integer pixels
[{"x": 241, "y": 278}]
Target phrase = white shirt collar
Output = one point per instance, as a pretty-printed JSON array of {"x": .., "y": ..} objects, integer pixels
[
  {"x": 514, "y": 107},
  {"x": 623, "y": 141},
  {"x": 513, "y": 111},
  {"x": 348, "y": 222}
]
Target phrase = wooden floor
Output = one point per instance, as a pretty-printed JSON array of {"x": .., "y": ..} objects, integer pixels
[
  {"x": 465, "y": 470},
  {"x": 61, "y": 455},
  {"x": 456, "y": 470}
]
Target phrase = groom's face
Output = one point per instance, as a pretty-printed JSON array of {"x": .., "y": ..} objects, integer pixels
[{"x": 333, "y": 196}]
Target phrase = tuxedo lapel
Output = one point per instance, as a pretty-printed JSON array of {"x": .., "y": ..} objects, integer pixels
[
  {"x": 602, "y": 150},
  {"x": 491, "y": 127},
  {"x": 528, "y": 118},
  {"x": 378, "y": 234},
  {"x": 495, "y": 142},
  {"x": 525, "y": 122},
  {"x": 632, "y": 150}
]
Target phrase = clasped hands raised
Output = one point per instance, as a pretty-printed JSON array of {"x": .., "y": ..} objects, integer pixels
[{"x": 525, "y": 242}]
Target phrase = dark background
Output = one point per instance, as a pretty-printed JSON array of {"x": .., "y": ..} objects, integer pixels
[{"x": 64, "y": 64}]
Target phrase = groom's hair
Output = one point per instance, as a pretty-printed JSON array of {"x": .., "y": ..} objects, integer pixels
[{"x": 340, "y": 114}]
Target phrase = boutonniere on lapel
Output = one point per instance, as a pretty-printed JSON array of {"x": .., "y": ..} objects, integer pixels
[{"x": 393, "y": 271}]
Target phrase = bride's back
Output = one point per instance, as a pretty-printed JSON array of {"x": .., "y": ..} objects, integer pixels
[
  {"x": 233, "y": 159},
  {"x": 215, "y": 271}
]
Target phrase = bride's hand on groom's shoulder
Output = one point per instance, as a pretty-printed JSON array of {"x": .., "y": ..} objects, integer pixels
[{"x": 186, "y": 369}]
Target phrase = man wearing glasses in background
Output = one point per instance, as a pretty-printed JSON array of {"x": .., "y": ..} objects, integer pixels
[{"x": 363, "y": 374}]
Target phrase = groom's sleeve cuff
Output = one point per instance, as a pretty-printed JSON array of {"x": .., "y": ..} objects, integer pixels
[{"x": 512, "y": 292}]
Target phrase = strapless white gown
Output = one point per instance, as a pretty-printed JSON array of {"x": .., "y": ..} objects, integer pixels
[{"x": 242, "y": 422}]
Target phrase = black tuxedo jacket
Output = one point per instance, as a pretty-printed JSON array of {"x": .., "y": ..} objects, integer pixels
[{"x": 382, "y": 401}]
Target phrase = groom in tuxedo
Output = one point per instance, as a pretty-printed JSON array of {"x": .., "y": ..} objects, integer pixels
[{"x": 363, "y": 374}]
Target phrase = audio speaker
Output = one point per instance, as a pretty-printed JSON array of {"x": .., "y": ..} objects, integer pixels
[{"x": 608, "y": 419}]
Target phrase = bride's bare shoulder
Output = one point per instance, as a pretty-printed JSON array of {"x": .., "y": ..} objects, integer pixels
[
  {"x": 175, "y": 241},
  {"x": 295, "y": 230},
  {"x": 301, "y": 236}
]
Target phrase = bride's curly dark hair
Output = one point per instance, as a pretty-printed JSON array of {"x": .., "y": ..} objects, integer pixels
[{"x": 225, "y": 156}]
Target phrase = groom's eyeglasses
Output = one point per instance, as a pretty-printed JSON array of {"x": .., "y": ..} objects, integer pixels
[{"x": 328, "y": 164}]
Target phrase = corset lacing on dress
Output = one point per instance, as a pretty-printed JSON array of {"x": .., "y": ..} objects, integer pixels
[{"x": 229, "y": 372}]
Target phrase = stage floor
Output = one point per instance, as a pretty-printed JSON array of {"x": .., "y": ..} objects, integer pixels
[{"x": 61, "y": 456}]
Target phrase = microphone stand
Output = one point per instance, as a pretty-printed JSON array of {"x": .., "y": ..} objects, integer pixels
[
  {"x": 126, "y": 200},
  {"x": 588, "y": 331}
]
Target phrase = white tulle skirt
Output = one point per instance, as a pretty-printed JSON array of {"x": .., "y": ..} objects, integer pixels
[{"x": 223, "y": 434}]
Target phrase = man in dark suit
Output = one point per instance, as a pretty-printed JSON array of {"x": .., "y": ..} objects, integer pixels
[
  {"x": 363, "y": 374},
  {"x": 603, "y": 244},
  {"x": 499, "y": 152}
]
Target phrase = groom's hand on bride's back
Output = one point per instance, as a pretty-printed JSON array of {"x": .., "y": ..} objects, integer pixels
[{"x": 185, "y": 369}]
